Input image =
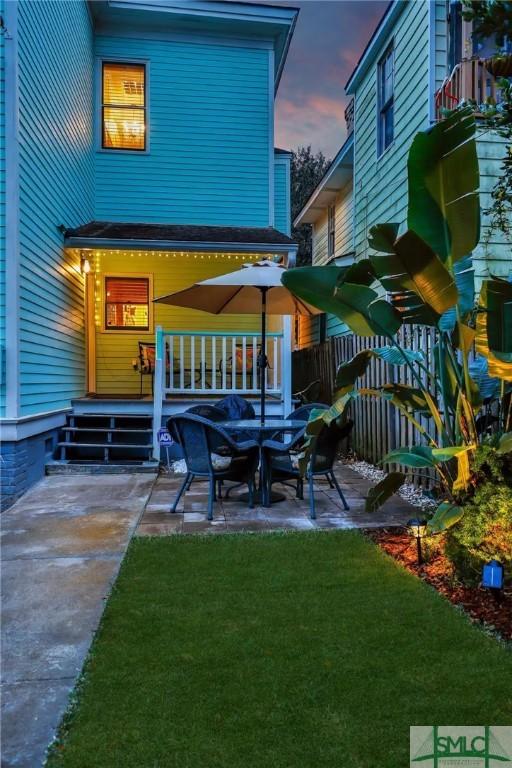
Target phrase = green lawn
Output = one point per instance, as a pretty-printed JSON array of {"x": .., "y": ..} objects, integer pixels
[{"x": 305, "y": 650}]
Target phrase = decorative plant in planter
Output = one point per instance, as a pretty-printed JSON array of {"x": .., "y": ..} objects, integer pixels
[{"x": 428, "y": 276}]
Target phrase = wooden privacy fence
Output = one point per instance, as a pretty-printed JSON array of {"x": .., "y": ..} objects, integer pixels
[{"x": 378, "y": 426}]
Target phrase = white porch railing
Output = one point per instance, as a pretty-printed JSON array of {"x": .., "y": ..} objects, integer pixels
[{"x": 217, "y": 364}]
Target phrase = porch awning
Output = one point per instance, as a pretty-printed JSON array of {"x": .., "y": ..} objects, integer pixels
[{"x": 178, "y": 237}]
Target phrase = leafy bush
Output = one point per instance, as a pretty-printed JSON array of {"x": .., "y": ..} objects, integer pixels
[{"x": 483, "y": 534}]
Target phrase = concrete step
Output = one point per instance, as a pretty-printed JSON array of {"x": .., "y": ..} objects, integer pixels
[{"x": 81, "y": 467}]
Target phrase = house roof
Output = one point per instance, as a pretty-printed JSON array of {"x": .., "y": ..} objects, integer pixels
[
  {"x": 278, "y": 151},
  {"x": 242, "y": 20},
  {"x": 112, "y": 234},
  {"x": 374, "y": 44},
  {"x": 336, "y": 177}
]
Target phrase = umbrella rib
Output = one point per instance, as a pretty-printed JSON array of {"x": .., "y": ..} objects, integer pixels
[{"x": 233, "y": 295}]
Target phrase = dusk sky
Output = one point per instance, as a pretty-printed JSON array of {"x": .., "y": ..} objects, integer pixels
[{"x": 329, "y": 38}]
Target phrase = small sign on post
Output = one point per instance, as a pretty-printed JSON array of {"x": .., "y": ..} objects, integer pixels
[{"x": 164, "y": 437}]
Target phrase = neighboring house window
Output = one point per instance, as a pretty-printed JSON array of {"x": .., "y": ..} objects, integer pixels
[
  {"x": 127, "y": 303},
  {"x": 386, "y": 100},
  {"x": 331, "y": 230},
  {"x": 123, "y": 106}
]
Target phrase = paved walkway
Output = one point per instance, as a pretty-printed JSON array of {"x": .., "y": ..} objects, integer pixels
[
  {"x": 62, "y": 544},
  {"x": 233, "y": 515}
]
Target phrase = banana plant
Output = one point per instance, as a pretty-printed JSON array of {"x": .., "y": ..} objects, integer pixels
[{"x": 424, "y": 276}]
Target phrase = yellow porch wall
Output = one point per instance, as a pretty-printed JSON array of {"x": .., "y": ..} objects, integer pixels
[{"x": 115, "y": 350}]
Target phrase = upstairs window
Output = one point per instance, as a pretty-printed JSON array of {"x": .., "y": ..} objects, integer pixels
[
  {"x": 331, "y": 230},
  {"x": 123, "y": 106},
  {"x": 127, "y": 303},
  {"x": 386, "y": 99}
]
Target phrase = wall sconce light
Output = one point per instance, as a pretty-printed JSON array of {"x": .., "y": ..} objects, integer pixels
[
  {"x": 85, "y": 264},
  {"x": 418, "y": 529}
]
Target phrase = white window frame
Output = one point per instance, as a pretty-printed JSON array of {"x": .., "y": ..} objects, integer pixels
[
  {"x": 100, "y": 60},
  {"x": 125, "y": 331},
  {"x": 331, "y": 230},
  {"x": 383, "y": 107}
]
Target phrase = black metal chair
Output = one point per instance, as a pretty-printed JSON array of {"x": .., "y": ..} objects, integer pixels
[
  {"x": 280, "y": 467},
  {"x": 199, "y": 439}
]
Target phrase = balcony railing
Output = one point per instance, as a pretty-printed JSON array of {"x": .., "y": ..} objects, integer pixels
[
  {"x": 469, "y": 81},
  {"x": 212, "y": 364},
  {"x": 217, "y": 364}
]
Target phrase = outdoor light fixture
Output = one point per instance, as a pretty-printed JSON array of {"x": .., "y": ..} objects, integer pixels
[
  {"x": 85, "y": 264},
  {"x": 492, "y": 575},
  {"x": 418, "y": 529}
]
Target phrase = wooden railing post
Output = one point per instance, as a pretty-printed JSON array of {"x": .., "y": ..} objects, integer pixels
[
  {"x": 286, "y": 365},
  {"x": 158, "y": 394}
]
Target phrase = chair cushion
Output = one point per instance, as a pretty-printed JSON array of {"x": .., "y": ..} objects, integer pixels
[{"x": 220, "y": 463}]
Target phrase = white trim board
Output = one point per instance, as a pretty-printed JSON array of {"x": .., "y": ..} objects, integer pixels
[{"x": 13, "y": 430}]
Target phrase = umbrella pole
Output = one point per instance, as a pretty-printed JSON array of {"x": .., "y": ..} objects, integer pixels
[{"x": 263, "y": 354}]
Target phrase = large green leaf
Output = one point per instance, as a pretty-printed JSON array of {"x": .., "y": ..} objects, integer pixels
[
  {"x": 383, "y": 490},
  {"x": 417, "y": 456},
  {"x": 446, "y": 515},
  {"x": 488, "y": 386},
  {"x": 411, "y": 265},
  {"x": 493, "y": 328},
  {"x": 413, "y": 311},
  {"x": 505, "y": 444},
  {"x": 382, "y": 237},
  {"x": 394, "y": 356},
  {"x": 318, "y": 418},
  {"x": 404, "y": 396},
  {"x": 360, "y": 307},
  {"x": 347, "y": 373},
  {"x": 464, "y": 274},
  {"x": 443, "y": 178}
]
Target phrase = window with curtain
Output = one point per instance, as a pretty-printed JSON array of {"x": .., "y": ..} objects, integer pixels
[
  {"x": 123, "y": 106},
  {"x": 127, "y": 303},
  {"x": 386, "y": 100}
]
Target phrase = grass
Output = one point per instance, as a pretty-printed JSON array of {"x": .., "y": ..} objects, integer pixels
[{"x": 277, "y": 650}]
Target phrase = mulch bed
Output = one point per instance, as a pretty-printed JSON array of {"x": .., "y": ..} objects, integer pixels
[{"x": 479, "y": 603}]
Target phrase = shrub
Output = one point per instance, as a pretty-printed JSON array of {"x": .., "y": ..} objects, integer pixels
[{"x": 483, "y": 534}]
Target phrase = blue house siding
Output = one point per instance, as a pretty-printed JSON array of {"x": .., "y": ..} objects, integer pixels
[
  {"x": 208, "y": 160},
  {"x": 56, "y": 173},
  {"x": 2, "y": 220},
  {"x": 282, "y": 214}
]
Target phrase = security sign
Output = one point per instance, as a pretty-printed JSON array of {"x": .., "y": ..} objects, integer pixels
[{"x": 164, "y": 438}]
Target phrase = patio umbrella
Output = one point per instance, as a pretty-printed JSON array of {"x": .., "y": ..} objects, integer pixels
[{"x": 255, "y": 288}]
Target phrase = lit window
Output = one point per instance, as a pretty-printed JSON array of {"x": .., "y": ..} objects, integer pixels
[
  {"x": 127, "y": 303},
  {"x": 331, "y": 230},
  {"x": 124, "y": 106},
  {"x": 386, "y": 101}
]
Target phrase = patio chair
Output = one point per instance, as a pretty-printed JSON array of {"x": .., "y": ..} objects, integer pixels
[
  {"x": 281, "y": 462},
  {"x": 145, "y": 362},
  {"x": 199, "y": 438}
]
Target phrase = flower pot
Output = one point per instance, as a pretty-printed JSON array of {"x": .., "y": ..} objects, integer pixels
[{"x": 500, "y": 65}]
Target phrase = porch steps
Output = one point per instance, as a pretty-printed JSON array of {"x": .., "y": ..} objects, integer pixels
[{"x": 104, "y": 442}]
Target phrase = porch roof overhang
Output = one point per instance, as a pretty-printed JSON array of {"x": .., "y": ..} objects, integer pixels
[
  {"x": 179, "y": 237},
  {"x": 337, "y": 176}
]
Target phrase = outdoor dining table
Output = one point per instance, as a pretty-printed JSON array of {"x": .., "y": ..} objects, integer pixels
[{"x": 260, "y": 432}]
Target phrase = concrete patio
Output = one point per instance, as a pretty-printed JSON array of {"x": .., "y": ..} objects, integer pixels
[
  {"x": 62, "y": 545},
  {"x": 233, "y": 515}
]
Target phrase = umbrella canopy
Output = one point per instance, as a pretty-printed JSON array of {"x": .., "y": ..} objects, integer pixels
[
  {"x": 239, "y": 293},
  {"x": 255, "y": 288}
]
